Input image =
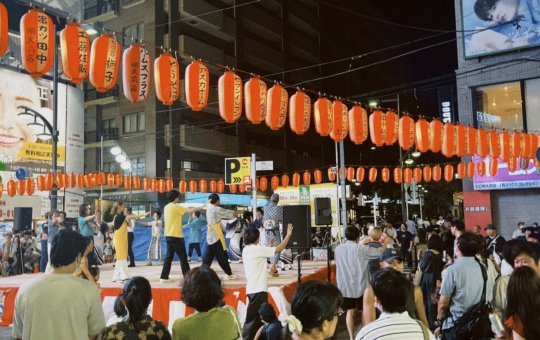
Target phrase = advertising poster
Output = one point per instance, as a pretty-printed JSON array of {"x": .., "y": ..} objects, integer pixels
[
  {"x": 519, "y": 179},
  {"x": 497, "y": 26}
]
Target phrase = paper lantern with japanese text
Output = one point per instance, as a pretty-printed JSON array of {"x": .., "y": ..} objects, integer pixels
[
  {"x": 406, "y": 132},
  {"x": 255, "y": 92},
  {"x": 4, "y": 29},
  {"x": 377, "y": 127},
  {"x": 276, "y": 107},
  {"x": 534, "y": 145},
  {"x": 358, "y": 124},
  {"x": 167, "y": 79},
  {"x": 102, "y": 178},
  {"x": 306, "y": 178},
  {"x": 37, "y": 42},
  {"x": 72, "y": 180},
  {"x": 436, "y": 173},
  {"x": 285, "y": 181},
  {"x": 448, "y": 172},
  {"x": 230, "y": 96},
  {"x": 421, "y": 136},
  {"x": 360, "y": 173},
  {"x": 75, "y": 49},
  {"x": 95, "y": 179},
  {"x": 512, "y": 164},
  {"x": 340, "y": 127},
  {"x": 392, "y": 127},
  {"x": 202, "y": 186},
  {"x": 67, "y": 181},
  {"x": 493, "y": 144},
  {"x": 197, "y": 85},
  {"x": 525, "y": 145},
  {"x": 192, "y": 186},
  {"x": 296, "y": 179},
  {"x": 87, "y": 180},
  {"x": 263, "y": 183},
  {"x": 515, "y": 144},
  {"x": 153, "y": 185},
  {"x": 435, "y": 135},
  {"x": 127, "y": 182},
  {"x": 220, "y": 186},
  {"x": 385, "y": 174},
  {"x": 49, "y": 181},
  {"x": 242, "y": 188},
  {"x": 407, "y": 175},
  {"x": 350, "y": 173},
  {"x": 212, "y": 186},
  {"x": 169, "y": 184},
  {"x": 233, "y": 188},
  {"x": 104, "y": 62},
  {"x": 110, "y": 180},
  {"x": 182, "y": 187},
  {"x": 481, "y": 168},
  {"x": 145, "y": 184},
  {"x": 470, "y": 169},
  {"x": 323, "y": 116},
  {"x": 136, "y": 73},
  {"x": 136, "y": 183},
  {"x": 317, "y": 174},
  {"x": 398, "y": 175},
  {"x": 372, "y": 174},
  {"x": 30, "y": 186},
  {"x": 481, "y": 143},
  {"x": 470, "y": 140},
  {"x": 80, "y": 181},
  {"x": 460, "y": 170},
  {"x": 299, "y": 112},
  {"x": 59, "y": 180},
  {"x": 493, "y": 167},
  {"x": 447, "y": 148},
  {"x": 274, "y": 182},
  {"x": 21, "y": 187},
  {"x": 331, "y": 174},
  {"x": 426, "y": 173},
  {"x": 504, "y": 146},
  {"x": 161, "y": 185},
  {"x": 460, "y": 147},
  {"x": 118, "y": 180},
  {"x": 11, "y": 188},
  {"x": 417, "y": 175}
]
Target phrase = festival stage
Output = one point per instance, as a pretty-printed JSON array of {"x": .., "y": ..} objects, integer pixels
[{"x": 167, "y": 306}]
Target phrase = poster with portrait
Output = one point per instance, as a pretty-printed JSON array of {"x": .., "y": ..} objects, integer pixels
[
  {"x": 25, "y": 141},
  {"x": 494, "y": 26}
]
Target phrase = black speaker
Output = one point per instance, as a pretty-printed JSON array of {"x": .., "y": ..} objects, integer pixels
[
  {"x": 300, "y": 217},
  {"x": 323, "y": 211},
  {"x": 22, "y": 219}
]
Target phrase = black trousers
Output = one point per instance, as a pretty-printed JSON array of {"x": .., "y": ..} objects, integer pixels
[
  {"x": 196, "y": 247},
  {"x": 174, "y": 245},
  {"x": 408, "y": 256},
  {"x": 131, "y": 237},
  {"x": 216, "y": 249},
  {"x": 253, "y": 321}
]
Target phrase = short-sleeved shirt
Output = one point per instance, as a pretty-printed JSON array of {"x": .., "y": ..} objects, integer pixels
[
  {"x": 84, "y": 228},
  {"x": 150, "y": 328},
  {"x": 53, "y": 230},
  {"x": 195, "y": 229},
  {"x": 405, "y": 238},
  {"x": 215, "y": 215},
  {"x": 217, "y": 323},
  {"x": 254, "y": 257},
  {"x": 173, "y": 219},
  {"x": 393, "y": 326},
  {"x": 156, "y": 228},
  {"x": 272, "y": 331},
  {"x": 411, "y": 227}
]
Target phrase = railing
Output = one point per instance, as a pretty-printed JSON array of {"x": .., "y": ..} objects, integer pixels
[
  {"x": 94, "y": 136},
  {"x": 103, "y": 6},
  {"x": 92, "y": 94}
]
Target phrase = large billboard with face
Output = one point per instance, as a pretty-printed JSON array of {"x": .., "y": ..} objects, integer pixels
[
  {"x": 25, "y": 142},
  {"x": 493, "y": 26}
]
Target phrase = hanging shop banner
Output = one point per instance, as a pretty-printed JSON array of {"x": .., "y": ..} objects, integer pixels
[
  {"x": 238, "y": 170},
  {"x": 504, "y": 179},
  {"x": 447, "y": 111},
  {"x": 508, "y": 27}
]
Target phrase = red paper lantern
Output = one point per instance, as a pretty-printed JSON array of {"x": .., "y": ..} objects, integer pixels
[
  {"x": 306, "y": 178},
  {"x": 493, "y": 167},
  {"x": 421, "y": 136},
  {"x": 460, "y": 170},
  {"x": 4, "y": 29},
  {"x": 193, "y": 186},
  {"x": 49, "y": 181},
  {"x": 417, "y": 175},
  {"x": 407, "y": 175},
  {"x": 67, "y": 183},
  {"x": 285, "y": 181},
  {"x": 460, "y": 141},
  {"x": 145, "y": 184},
  {"x": 534, "y": 145},
  {"x": 340, "y": 127},
  {"x": 515, "y": 144},
  {"x": 372, "y": 175},
  {"x": 255, "y": 100},
  {"x": 136, "y": 183},
  {"x": 80, "y": 182},
  {"x": 435, "y": 135},
  {"x": 212, "y": 186},
  {"x": 470, "y": 169},
  {"x": 481, "y": 168},
  {"x": 436, "y": 173},
  {"x": 470, "y": 140},
  {"x": 276, "y": 107},
  {"x": 358, "y": 124},
  {"x": 448, "y": 144},
  {"x": 350, "y": 173},
  {"x": 59, "y": 180},
  {"x": 72, "y": 180},
  {"x": 37, "y": 42},
  {"x": 202, "y": 186},
  {"x": 11, "y": 188},
  {"x": 110, "y": 180},
  {"x": 30, "y": 186},
  {"x": 169, "y": 184},
  {"x": 102, "y": 178},
  {"x": 75, "y": 49},
  {"x": 104, "y": 62},
  {"x": 182, "y": 187},
  {"x": 220, "y": 186},
  {"x": 274, "y": 183},
  {"x": 127, "y": 182},
  {"x": 317, "y": 174},
  {"x": 95, "y": 179},
  {"x": 398, "y": 175},
  {"x": 426, "y": 173},
  {"x": 155, "y": 185},
  {"x": 87, "y": 180},
  {"x": 360, "y": 173},
  {"x": 299, "y": 112},
  {"x": 385, "y": 174},
  {"x": 167, "y": 79},
  {"x": 263, "y": 183},
  {"x": 481, "y": 143},
  {"x": 525, "y": 145},
  {"x": 233, "y": 188},
  {"x": 331, "y": 174},
  {"x": 406, "y": 132},
  {"x": 296, "y": 179},
  {"x": 118, "y": 180},
  {"x": 230, "y": 96},
  {"x": 136, "y": 73},
  {"x": 392, "y": 127},
  {"x": 504, "y": 146},
  {"x": 493, "y": 144},
  {"x": 377, "y": 128},
  {"x": 242, "y": 187},
  {"x": 512, "y": 164},
  {"x": 448, "y": 172},
  {"x": 256, "y": 184},
  {"x": 323, "y": 116},
  {"x": 21, "y": 187},
  {"x": 197, "y": 85},
  {"x": 160, "y": 185}
]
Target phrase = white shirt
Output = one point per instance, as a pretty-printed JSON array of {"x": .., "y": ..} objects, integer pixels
[
  {"x": 156, "y": 228},
  {"x": 516, "y": 233},
  {"x": 393, "y": 326},
  {"x": 131, "y": 226},
  {"x": 254, "y": 257}
]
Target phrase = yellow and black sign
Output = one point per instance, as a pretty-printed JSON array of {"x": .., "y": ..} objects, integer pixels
[{"x": 237, "y": 170}]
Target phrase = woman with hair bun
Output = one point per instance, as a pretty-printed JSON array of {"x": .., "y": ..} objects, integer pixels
[
  {"x": 137, "y": 296},
  {"x": 315, "y": 308}
]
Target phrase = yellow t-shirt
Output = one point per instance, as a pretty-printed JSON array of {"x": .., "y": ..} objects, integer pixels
[{"x": 173, "y": 220}]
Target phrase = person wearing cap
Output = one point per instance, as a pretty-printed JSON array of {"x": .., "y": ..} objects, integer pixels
[
  {"x": 492, "y": 238},
  {"x": 519, "y": 230},
  {"x": 393, "y": 258},
  {"x": 271, "y": 328}
]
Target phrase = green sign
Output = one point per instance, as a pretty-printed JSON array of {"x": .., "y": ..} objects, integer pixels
[{"x": 304, "y": 194}]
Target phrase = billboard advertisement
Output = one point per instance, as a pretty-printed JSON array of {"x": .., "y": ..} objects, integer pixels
[
  {"x": 519, "y": 179},
  {"x": 25, "y": 142},
  {"x": 498, "y": 26}
]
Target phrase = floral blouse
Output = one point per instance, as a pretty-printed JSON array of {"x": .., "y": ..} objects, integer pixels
[{"x": 147, "y": 329}]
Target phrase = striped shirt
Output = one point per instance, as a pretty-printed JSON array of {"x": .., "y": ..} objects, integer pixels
[{"x": 393, "y": 326}]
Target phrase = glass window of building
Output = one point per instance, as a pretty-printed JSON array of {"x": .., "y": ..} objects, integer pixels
[
  {"x": 135, "y": 31},
  {"x": 500, "y": 106},
  {"x": 532, "y": 104},
  {"x": 134, "y": 122}
]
